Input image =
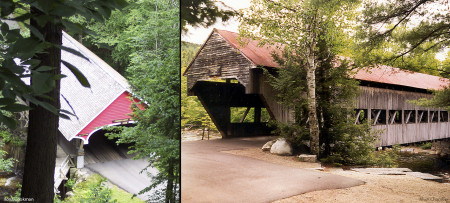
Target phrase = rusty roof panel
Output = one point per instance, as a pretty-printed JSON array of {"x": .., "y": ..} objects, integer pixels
[
  {"x": 262, "y": 56},
  {"x": 397, "y": 76},
  {"x": 258, "y": 55}
]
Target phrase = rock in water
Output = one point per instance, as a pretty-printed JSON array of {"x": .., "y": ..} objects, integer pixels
[
  {"x": 281, "y": 147},
  {"x": 268, "y": 145}
]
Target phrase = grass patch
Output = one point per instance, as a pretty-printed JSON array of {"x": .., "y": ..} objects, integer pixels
[
  {"x": 97, "y": 189},
  {"x": 123, "y": 196}
]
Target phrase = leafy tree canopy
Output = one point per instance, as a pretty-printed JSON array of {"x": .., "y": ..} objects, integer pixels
[
  {"x": 146, "y": 37},
  {"x": 297, "y": 27},
  {"x": 203, "y": 12},
  {"x": 400, "y": 33},
  {"x": 20, "y": 41}
]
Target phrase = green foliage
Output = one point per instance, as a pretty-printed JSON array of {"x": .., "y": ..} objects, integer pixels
[
  {"x": 353, "y": 146},
  {"x": 300, "y": 29},
  {"x": 23, "y": 45},
  {"x": 70, "y": 183},
  {"x": 6, "y": 164},
  {"x": 192, "y": 112},
  {"x": 97, "y": 192},
  {"x": 293, "y": 132},
  {"x": 426, "y": 145},
  {"x": 387, "y": 158},
  {"x": 296, "y": 24},
  {"x": 203, "y": 13},
  {"x": 16, "y": 197},
  {"x": 238, "y": 112},
  {"x": 402, "y": 34},
  {"x": 10, "y": 139},
  {"x": 441, "y": 99},
  {"x": 148, "y": 41},
  {"x": 94, "y": 189}
]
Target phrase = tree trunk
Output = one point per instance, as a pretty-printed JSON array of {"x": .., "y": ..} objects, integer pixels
[
  {"x": 312, "y": 112},
  {"x": 38, "y": 178},
  {"x": 170, "y": 197}
]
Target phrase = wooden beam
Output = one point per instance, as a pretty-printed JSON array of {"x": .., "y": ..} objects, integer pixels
[
  {"x": 391, "y": 121},
  {"x": 357, "y": 116},
  {"x": 257, "y": 115},
  {"x": 245, "y": 115},
  {"x": 376, "y": 116},
  {"x": 420, "y": 117},
  {"x": 408, "y": 116}
]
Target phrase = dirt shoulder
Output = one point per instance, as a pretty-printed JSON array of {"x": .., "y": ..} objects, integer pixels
[{"x": 378, "y": 188}]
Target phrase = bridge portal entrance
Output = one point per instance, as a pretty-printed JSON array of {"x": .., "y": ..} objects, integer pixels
[{"x": 233, "y": 112}]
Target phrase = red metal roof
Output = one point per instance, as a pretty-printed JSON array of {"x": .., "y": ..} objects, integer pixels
[
  {"x": 383, "y": 74},
  {"x": 120, "y": 108}
]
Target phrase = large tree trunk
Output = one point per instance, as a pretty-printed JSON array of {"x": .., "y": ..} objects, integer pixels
[
  {"x": 38, "y": 179},
  {"x": 312, "y": 112},
  {"x": 170, "y": 197}
]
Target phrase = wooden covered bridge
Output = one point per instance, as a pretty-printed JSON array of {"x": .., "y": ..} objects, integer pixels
[
  {"x": 383, "y": 99},
  {"x": 108, "y": 102}
]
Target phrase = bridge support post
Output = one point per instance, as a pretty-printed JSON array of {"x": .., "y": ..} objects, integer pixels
[{"x": 80, "y": 155}]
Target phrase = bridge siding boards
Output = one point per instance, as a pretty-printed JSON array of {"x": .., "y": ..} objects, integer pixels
[
  {"x": 381, "y": 98},
  {"x": 276, "y": 110},
  {"x": 220, "y": 58},
  {"x": 387, "y": 99}
]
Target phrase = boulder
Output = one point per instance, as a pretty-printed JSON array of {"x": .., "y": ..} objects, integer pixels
[
  {"x": 281, "y": 147},
  {"x": 12, "y": 181},
  {"x": 268, "y": 145},
  {"x": 307, "y": 158}
]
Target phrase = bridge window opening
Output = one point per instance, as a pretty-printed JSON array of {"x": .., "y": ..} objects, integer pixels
[
  {"x": 434, "y": 116},
  {"x": 217, "y": 79},
  {"x": 410, "y": 116},
  {"x": 395, "y": 117},
  {"x": 248, "y": 115},
  {"x": 360, "y": 115},
  {"x": 443, "y": 116},
  {"x": 422, "y": 116},
  {"x": 378, "y": 116}
]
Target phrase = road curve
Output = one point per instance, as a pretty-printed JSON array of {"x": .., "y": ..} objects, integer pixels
[{"x": 209, "y": 175}]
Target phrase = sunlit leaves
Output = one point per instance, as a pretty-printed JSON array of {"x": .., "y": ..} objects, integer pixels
[
  {"x": 410, "y": 27},
  {"x": 146, "y": 36}
]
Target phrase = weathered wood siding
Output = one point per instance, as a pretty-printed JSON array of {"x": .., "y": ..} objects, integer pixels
[
  {"x": 262, "y": 87},
  {"x": 380, "y": 98},
  {"x": 374, "y": 98},
  {"x": 218, "y": 59},
  {"x": 396, "y": 100}
]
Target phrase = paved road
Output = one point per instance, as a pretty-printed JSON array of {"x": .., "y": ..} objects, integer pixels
[
  {"x": 209, "y": 175},
  {"x": 113, "y": 163},
  {"x": 126, "y": 174}
]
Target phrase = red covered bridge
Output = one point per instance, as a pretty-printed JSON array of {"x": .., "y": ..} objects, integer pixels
[{"x": 107, "y": 102}]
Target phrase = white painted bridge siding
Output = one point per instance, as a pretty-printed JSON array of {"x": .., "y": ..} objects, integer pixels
[{"x": 86, "y": 103}]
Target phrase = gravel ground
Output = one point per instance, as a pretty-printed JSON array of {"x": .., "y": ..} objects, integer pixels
[
  {"x": 378, "y": 188},
  {"x": 194, "y": 135}
]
